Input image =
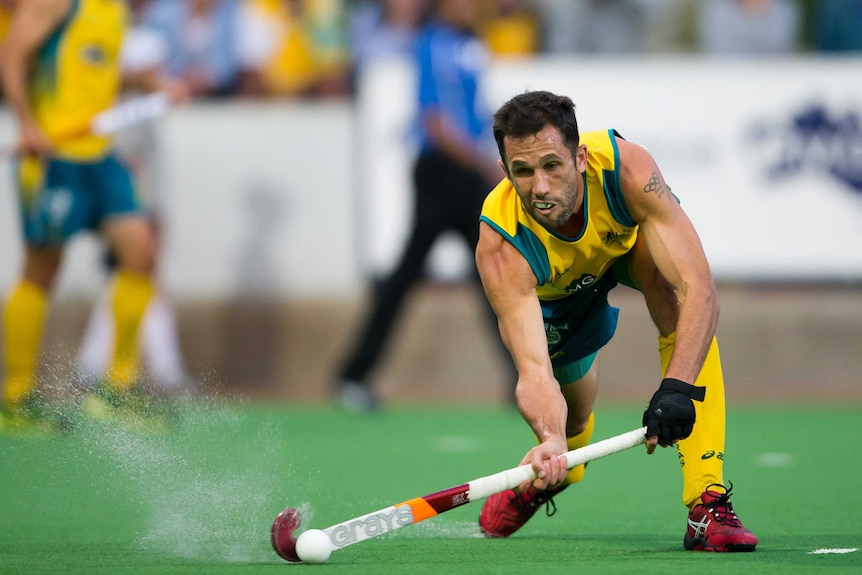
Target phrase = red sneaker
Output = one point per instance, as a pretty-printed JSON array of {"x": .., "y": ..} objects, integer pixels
[
  {"x": 714, "y": 526},
  {"x": 504, "y": 513}
]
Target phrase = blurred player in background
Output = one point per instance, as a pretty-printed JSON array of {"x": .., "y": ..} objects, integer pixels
[
  {"x": 451, "y": 175},
  {"x": 145, "y": 51},
  {"x": 61, "y": 67},
  {"x": 575, "y": 214}
]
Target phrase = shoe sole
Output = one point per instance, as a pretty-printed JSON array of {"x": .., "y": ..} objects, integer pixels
[
  {"x": 700, "y": 545},
  {"x": 491, "y": 535}
]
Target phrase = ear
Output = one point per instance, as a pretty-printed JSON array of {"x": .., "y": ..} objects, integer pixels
[
  {"x": 503, "y": 168},
  {"x": 581, "y": 158}
]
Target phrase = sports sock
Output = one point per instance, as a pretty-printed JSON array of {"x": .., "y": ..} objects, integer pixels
[
  {"x": 160, "y": 345},
  {"x": 97, "y": 343},
  {"x": 23, "y": 324},
  {"x": 576, "y": 473},
  {"x": 701, "y": 455},
  {"x": 132, "y": 293}
]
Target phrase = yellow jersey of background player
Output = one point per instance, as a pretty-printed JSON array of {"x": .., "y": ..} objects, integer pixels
[{"x": 77, "y": 74}]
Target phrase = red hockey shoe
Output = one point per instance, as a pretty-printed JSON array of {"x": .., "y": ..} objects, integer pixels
[
  {"x": 505, "y": 512},
  {"x": 714, "y": 526}
]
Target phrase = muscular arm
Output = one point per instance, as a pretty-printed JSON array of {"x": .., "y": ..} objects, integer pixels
[
  {"x": 32, "y": 23},
  {"x": 676, "y": 249},
  {"x": 510, "y": 286}
]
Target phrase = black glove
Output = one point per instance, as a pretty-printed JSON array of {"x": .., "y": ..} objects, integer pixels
[{"x": 670, "y": 414}]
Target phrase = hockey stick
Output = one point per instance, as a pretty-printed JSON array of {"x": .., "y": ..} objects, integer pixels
[
  {"x": 123, "y": 115},
  {"x": 419, "y": 509},
  {"x": 130, "y": 113}
]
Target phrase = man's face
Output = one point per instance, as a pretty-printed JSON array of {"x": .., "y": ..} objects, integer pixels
[{"x": 548, "y": 180}]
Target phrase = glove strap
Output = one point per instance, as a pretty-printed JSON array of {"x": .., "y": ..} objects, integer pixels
[{"x": 671, "y": 384}]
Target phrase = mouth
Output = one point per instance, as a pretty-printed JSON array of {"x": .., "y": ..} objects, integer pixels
[{"x": 543, "y": 207}]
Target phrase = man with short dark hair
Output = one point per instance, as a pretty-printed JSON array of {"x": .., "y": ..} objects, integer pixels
[{"x": 576, "y": 214}]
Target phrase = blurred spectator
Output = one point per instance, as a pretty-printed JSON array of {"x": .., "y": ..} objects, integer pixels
[
  {"x": 749, "y": 26},
  {"x": 594, "y": 26},
  {"x": 275, "y": 50},
  {"x": 145, "y": 49},
  {"x": 383, "y": 28},
  {"x": 326, "y": 22},
  {"x": 837, "y": 25},
  {"x": 291, "y": 48},
  {"x": 201, "y": 42},
  {"x": 512, "y": 28}
]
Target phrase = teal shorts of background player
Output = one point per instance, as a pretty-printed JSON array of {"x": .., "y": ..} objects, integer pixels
[{"x": 69, "y": 197}]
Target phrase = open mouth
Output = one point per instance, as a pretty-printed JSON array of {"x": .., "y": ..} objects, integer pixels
[{"x": 543, "y": 206}]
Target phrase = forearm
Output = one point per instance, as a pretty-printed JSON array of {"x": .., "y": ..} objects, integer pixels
[
  {"x": 15, "y": 86},
  {"x": 698, "y": 319},
  {"x": 538, "y": 394},
  {"x": 32, "y": 23},
  {"x": 543, "y": 407},
  {"x": 146, "y": 81}
]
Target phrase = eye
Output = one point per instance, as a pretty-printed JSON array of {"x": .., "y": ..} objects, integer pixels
[{"x": 523, "y": 172}]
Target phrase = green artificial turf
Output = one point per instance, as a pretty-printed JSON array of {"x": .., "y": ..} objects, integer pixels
[{"x": 201, "y": 498}]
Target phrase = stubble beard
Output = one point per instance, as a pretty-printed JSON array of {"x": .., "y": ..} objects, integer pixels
[{"x": 565, "y": 208}]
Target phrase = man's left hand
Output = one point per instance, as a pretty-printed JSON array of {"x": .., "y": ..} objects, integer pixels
[{"x": 671, "y": 415}]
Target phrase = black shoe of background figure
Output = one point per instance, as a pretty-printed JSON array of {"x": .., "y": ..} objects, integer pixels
[{"x": 355, "y": 397}]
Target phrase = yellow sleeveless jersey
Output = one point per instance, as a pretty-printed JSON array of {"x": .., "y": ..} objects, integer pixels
[
  {"x": 568, "y": 266},
  {"x": 77, "y": 74}
]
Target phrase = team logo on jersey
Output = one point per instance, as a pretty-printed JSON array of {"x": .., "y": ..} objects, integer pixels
[
  {"x": 94, "y": 55},
  {"x": 812, "y": 140},
  {"x": 553, "y": 332},
  {"x": 612, "y": 238},
  {"x": 579, "y": 284}
]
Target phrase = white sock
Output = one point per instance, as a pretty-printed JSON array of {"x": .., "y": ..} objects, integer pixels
[
  {"x": 95, "y": 349},
  {"x": 160, "y": 345}
]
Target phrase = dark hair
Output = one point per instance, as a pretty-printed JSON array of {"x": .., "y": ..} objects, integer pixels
[{"x": 530, "y": 112}]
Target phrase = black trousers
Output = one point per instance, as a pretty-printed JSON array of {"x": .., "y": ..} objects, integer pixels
[{"x": 448, "y": 197}]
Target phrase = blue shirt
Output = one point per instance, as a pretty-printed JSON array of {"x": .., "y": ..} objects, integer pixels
[{"x": 450, "y": 64}]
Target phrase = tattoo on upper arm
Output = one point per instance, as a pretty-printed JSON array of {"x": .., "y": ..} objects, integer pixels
[{"x": 654, "y": 185}]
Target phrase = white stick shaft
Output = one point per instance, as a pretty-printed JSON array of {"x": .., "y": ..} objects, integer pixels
[
  {"x": 130, "y": 113},
  {"x": 421, "y": 508},
  {"x": 511, "y": 478}
]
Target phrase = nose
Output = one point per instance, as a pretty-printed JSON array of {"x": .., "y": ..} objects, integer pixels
[{"x": 542, "y": 184}]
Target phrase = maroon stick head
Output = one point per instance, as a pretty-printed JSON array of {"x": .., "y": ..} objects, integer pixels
[{"x": 283, "y": 540}]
